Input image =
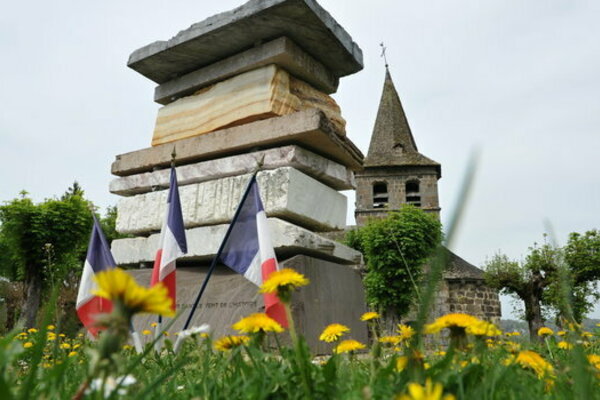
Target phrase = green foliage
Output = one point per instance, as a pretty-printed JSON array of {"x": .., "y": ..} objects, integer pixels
[
  {"x": 395, "y": 250},
  {"x": 547, "y": 271},
  {"x": 45, "y": 239},
  {"x": 45, "y": 244}
]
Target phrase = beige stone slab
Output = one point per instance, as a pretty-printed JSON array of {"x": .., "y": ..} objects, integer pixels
[
  {"x": 309, "y": 128},
  {"x": 326, "y": 171},
  {"x": 203, "y": 242},
  {"x": 258, "y": 94},
  {"x": 282, "y": 52},
  {"x": 286, "y": 193},
  {"x": 334, "y": 294}
]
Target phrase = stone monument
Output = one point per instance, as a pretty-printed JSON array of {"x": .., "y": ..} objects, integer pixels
[{"x": 240, "y": 89}]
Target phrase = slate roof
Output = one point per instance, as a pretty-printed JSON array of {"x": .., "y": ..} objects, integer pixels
[
  {"x": 458, "y": 268},
  {"x": 392, "y": 142}
]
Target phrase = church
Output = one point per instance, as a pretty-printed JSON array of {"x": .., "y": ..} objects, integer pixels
[{"x": 396, "y": 173}]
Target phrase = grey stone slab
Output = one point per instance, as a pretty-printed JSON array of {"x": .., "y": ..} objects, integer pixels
[
  {"x": 326, "y": 171},
  {"x": 335, "y": 294},
  {"x": 223, "y": 35},
  {"x": 282, "y": 52},
  {"x": 286, "y": 193},
  {"x": 203, "y": 242},
  {"x": 309, "y": 128}
]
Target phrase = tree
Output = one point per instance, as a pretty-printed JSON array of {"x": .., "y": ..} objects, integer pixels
[
  {"x": 43, "y": 242},
  {"x": 526, "y": 280},
  {"x": 395, "y": 250},
  {"x": 539, "y": 280}
]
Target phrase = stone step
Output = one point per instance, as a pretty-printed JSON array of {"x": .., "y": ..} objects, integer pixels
[
  {"x": 282, "y": 52},
  {"x": 254, "y": 95},
  {"x": 309, "y": 128},
  {"x": 231, "y": 32},
  {"x": 203, "y": 242},
  {"x": 286, "y": 193},
  {"x": 334, "y": 294},
  {"x": 326, "y": 171}
]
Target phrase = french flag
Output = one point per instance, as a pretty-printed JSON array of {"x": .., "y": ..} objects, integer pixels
[
  {"x": 172, "y": 242},
  {"x": 99, "y": 258},
  {"x": 249, "y": 251}
]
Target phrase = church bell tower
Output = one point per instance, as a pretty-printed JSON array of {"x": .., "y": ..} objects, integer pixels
[{"x": 394, "y": 173}]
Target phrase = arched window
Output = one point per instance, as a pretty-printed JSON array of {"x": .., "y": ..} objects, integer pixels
[
  {"x": 380, "y": 195},
  {"x": 413, "y": 193}
]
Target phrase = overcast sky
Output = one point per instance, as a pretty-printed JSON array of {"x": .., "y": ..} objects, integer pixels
[{"x": 520, "y": 80}]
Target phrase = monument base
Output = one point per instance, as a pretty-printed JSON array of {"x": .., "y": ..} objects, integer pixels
[{"x": 335, "y": 294}]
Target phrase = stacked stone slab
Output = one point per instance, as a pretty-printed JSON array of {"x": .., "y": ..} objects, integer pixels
[{"x": 242, "y": 91}]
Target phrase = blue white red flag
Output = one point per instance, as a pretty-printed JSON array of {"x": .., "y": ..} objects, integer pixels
[
  {"x": 172, "y": 242},
  {"x": 249, "y": 251},
  {"x": 99, "y": 258}
]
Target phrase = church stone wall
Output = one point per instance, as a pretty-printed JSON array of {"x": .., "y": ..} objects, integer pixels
[{"x": 473, "y": 297}]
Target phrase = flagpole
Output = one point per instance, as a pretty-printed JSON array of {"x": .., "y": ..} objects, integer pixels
[{"x": 215, "y": 260}]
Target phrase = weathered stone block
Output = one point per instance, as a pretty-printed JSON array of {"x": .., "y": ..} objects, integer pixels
[
  {"x": 282, "y": 52},
  {"x": 259, "y": 94},
  {"x": 228, "y": 33},
  {"x": 335, "y": 294},
  {"x": 203, "y": 242},
  {"x": 286, "y": 193},
  {"x": 329, "y": 172},
  {"x": 310, "y": 128}
]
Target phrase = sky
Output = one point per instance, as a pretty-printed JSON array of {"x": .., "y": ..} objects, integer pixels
[{"x": 516, "y": 81}]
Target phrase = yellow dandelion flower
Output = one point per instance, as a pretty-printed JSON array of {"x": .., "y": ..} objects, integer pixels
[
  {"x": 405, "y": 331},
  {"x": 76, "y": 346},
  {"x": 393, "y": 340},
  {"x": 455, "y": 320},
  {"x": 127, "y": 347},
  {"x": 72, "y": 354},
  {"x": 165, "y": 333},
  {"x": 154, "y": 324},
  {"x": 117, "y": 285},
  {"x": 50, "y": 327},
  {"x": 513, "y": 333},
  {"x": 229, "y": 342},
  {"x": 27, "y": 345},
  {"x": 531, "y": 359},
  {"x": 369, "y": 316},
  {"x": 565, "y": 345},
  {"x": 545, "y": 331},
  {"x": 62, "y": 335},
  {"x": 594, "y": 360},
  {"x": 80, "y": 335},
  {"x": 32, "y": 330},
  {"x": 258, "y": 322},
  {"x": 561, "y": 333},
  {"x": 587, "y": 334},
  {"x": 349, "y": 345},
  {"x": 428, "y": 392},
  {"x": 22, "y": 335},
  {"x": 483, "y": 328},
  {"x": 282, "y": 281},
  {"x": 401, "y": 363},
  {"x": 333, "y": 332},
  {"x": 146, "y": 332},
  {"x": 47, "y": 365},
  {"x": 65, "y": 346}
]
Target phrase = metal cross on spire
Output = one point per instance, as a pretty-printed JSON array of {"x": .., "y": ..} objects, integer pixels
[{"x": 383, "y": 49}]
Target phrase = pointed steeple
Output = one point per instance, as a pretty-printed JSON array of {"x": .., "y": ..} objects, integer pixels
[{"x": 392, "y": 142}]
